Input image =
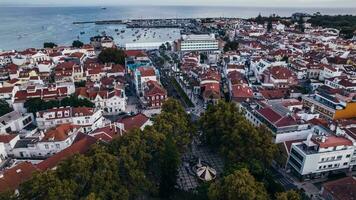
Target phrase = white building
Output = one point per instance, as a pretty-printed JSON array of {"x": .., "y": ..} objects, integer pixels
[
  {"x": 3, "y": 154},
  {"x": 142, "y": 76},
  {"x": 144, "y": 45},
  {"x": 88, "y": 118},
  {"x": 203, "y": 42},
  {"x": 53, "y": 141},
  {"x": 7, "y": 143},
  {"x": 329, "y": 72},
  {"x": 320, "y": 154},
  {"x": 15, "y": 121},
  {"x": 111, "y": 103}
]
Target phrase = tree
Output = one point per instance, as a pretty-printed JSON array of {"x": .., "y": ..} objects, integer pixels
[
  {"x": 239, "y": 185},
  {"x": 226, "y": 129},
  {"x": 77, "y": 44},
  {"x": 80, "y": 84},
  {"x": 4, "y": 107},
  {"x": 174, "y": 122},
  {"x": 259, "y": 19},
  {"x": 269, "y": 25},
  {"x": 169, "y": 46},
  {"x": 169, "y": 168},
  {"x": 289, "y": 195},
  {"x": 162, "y": 48},
  {"x": 301, "y": 24},
  {"x": 112, "y": 55},
  {"x": 49, "y": 45},
  {"x": 231, "y": 46},
  {"x": 203, "y": 57}
]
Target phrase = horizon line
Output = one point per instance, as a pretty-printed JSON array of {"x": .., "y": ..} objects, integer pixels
[{"x": 167, "y": 5}]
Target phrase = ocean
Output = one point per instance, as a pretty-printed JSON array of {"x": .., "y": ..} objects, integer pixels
[{"x": 24, "y": 27}]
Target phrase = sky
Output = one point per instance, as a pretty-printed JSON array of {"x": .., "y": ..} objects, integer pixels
[{"x": 256, "y": 3}]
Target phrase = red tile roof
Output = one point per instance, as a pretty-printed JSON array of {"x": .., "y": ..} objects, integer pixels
[
  {"x": 279, "y": 72},
  {"x": 135, "y": 53},
  {"x": 342, "y": 189},
  {"x": 80, "y": 145},
  {"x": 147, "y": 71},
  {"x": 153, "y": 88},
  {"x": 6, "y": 138},
  {"x": 13, "y": 177},
  {"x": 332, "y": 141},
  {"x": 132, "y": 122},
  {"x": 59, "y": 133},
  {"x": 106, "y": 133}
]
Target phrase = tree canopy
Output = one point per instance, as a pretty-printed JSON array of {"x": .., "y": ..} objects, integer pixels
[
  {"x": 49, "y": 45},
  {"x": 231, "y": 46},
  {"x": 4, "y": 107},
  {"x": 288, "y": 195},
  {"x": 36, "y": 104},
  {"x": 238, "y": 185},
  {"x": 174, "y": 121},
  {"x": 345, "y": 23},
  {"x": 77, "y": 44},
  {"x": 112, "y": 55},
  {"x": 225, "y": 128}
]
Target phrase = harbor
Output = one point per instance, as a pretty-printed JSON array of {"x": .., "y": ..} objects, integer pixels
[{"x": 147, "y": 23}]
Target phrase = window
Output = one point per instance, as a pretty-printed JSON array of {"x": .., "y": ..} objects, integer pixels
[
  {"x": 348, "y": 156},
  {"x": 339, "y": 157},
  {"x": 329, "y": 166},
  {"x": 46, "y": 146},
  {"x": 345, "y": 163},
  {"x": 58, "y": 146}
]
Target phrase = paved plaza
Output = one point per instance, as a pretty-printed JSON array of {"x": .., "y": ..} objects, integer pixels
[{"x": 187, "y": 180}]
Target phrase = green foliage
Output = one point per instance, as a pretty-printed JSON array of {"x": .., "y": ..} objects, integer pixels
[
  {"x": 77, "y": 44},
  {"x": 169, "y": 168},
  {"x": 269, "y": 26},
  {"x": 36, "y": 104},
  {"x": 49, "y": 45},
  {"x": 226, "y": 129},
  {"x": 345, "y": 23},
  {"x": 238, "y": 185},
  {"x": 80, "y": 84},
  {"x": 112, "y": 55},
  {"x": 231, "y": 46},
  {"x": 162, "y": 48},
  {"x": 4, "y": 107},
  {"x": 181, "y": 92},
  {"x": 95, "y": 175},
  {"x": 174, "y": 122},
  {"x": 289, "y": 195},
  {"x": 203, "y": 57}
]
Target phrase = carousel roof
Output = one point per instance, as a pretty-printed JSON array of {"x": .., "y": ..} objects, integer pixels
[{"x": 206, "y": 173}]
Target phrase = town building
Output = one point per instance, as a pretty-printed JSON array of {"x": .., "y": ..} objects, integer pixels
[
  {"x": 46, "y": 144},
  {"x": 203, "y": 42},
  {"x": 88, "y": 118},
  {"x": 15, "y": 122}
]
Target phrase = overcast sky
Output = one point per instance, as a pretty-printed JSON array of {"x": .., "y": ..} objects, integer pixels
[{"x": 257, "y": 3}]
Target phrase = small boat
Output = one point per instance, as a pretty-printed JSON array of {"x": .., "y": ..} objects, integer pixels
[
  {"x": 122, "y": 31},
  {"x": 82, "y": 33},
  {"x": 103, "y": 8},
  {"x": 116, "y": 30}
]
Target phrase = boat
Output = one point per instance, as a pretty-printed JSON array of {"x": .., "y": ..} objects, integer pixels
[
  {"x": 103, "y": 8},
  {"x": 82, "y": 33},
  {"x": 122, "y": 31},
  {"x": 116, "y": 30}
]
